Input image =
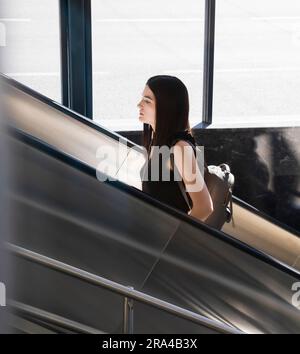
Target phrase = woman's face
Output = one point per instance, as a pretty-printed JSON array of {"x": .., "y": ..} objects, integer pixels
[{"x": 147, "y": 107}]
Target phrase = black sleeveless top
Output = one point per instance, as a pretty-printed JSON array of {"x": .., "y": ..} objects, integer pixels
[{"x": 166, "y": 191}]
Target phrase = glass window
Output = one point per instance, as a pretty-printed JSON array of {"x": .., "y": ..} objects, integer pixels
[
  {"x": 257, "y": 62},
  {"x": 31, "y": 53},
  {"x": 134, "y": 40}
]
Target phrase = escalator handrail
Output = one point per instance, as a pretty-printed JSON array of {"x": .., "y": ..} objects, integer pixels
[
  {"x": 265, "y": 216},
  {"x": 63, "y": 109},
  {"x": 120, "y": 289},
  {"x": 83, "y": 167}
]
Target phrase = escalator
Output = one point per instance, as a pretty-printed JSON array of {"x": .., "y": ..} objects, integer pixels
[{"x": 242, "y": 277}]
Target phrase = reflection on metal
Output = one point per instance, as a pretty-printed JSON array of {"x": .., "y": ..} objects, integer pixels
[
  {"x": 50, "y": 318},
  {"x": 12, "y": 87},
  {"x": 17, "y": 324},
  {"x": 74, "y": 137},
  {"x": 130, "y": 293},
  {"x": 264, "y": 235}
]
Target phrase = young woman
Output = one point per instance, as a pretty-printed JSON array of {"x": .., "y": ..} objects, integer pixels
[{"x": 164, "y": 110}]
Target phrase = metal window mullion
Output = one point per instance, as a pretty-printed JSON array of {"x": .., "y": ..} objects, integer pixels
[
  {"x": 208, "y": 65},
  {"x": 64, "y": 55},
  {"x": 76, "y": 55}
]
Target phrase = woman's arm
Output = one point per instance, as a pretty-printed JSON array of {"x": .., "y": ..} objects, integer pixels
[{"x": 187, "y": 166}]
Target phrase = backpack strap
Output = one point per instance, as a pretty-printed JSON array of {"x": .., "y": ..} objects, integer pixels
[
  {"x": 231, "y": 209},
  {"x": 184, "y": 193}
]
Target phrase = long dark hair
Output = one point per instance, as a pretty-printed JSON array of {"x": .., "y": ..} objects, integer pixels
[{"x": 172, "y": 110}]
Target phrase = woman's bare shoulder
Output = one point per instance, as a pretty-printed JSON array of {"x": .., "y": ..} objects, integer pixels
[{"x": 183, "y": 145}]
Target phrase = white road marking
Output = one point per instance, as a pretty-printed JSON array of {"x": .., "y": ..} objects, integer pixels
[
  {"x": 150, "y": 20},
  {"x": 101, "y": 73},
  {"x": 218, "y": 122},
  {"x": 32, "y": 74},
  {"x": 195, "y": 19},
  {"x": 242, "y": 70},
  {"x": 37, "y": 74},
  {"x": 183, "y": 71},
  {"x": 15, "y": 20},
  {"x": 276, "y": 18},
  {"x": 196, "y": 71},
  {"x": 234, "y": 70}
]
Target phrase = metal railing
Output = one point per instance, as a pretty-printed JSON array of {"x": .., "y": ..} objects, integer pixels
[
  {"x": 128, "y": 292},
  {"x": 37, "y": 314}
]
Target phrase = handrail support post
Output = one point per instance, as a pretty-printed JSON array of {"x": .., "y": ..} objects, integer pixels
[{"x": 128, "y": 315}]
